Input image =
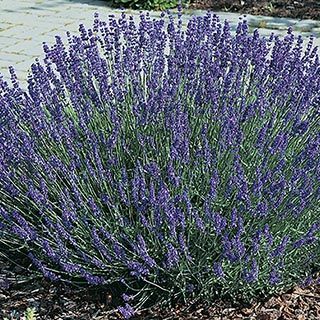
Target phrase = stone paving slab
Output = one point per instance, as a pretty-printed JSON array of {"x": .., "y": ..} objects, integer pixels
[{"x": 26, "y": 24}]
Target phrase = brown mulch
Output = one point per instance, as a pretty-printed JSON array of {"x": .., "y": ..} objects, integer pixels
[
  {"x": 60, "y": 301},
  {"x": 298, "y": 9}
]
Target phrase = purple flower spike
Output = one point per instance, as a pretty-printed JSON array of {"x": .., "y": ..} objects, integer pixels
[
  {"x": 127, "y": 311},
  {"x": 251, "y": 274}
]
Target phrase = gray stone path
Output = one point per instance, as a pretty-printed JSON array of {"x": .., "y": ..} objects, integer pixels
[{"x": 25, "y": 24}]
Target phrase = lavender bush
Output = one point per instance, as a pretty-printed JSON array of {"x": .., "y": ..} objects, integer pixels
[{"x": 165, "y": 164}]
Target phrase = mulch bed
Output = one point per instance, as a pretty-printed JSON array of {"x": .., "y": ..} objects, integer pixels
[
  {"x": 298, "y": 9},
  {"x": 60, "y": 301}
]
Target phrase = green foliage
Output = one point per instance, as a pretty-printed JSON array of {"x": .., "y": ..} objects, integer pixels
[
  {"x": 29, "y": 314},
  {"x": 148, "y": 4}
]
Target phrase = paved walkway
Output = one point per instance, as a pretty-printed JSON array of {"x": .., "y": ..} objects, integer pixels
[{"x": 25, "y": 24}]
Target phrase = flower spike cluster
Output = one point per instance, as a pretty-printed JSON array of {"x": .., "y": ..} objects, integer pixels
[{"x": 152, "y": 156}]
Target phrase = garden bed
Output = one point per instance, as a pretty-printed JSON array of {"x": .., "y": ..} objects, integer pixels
[
  {"x": 301, "y": 9},
  {"x": 151, "y": 167},
  {"x": 61, "y": 301}
]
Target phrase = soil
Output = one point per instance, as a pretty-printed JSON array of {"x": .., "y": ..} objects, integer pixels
[
  {"x": 298, "y": 9},
  {"x": 18, "y": 291}
]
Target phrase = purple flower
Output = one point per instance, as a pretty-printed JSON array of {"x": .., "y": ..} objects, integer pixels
[
  {"x": 183, "y": 245},
  {"x": 218, "y": 221},
  {"x": 218, "y": 270},
  {"x": 23, "y": 229},
  {"x": 172, "y": 256},
  {"x": 279, "y": 250},
  {"x": 70, "y": 268},
  {"x": 308, "y": 238},
  {"x": 234, "y": 218},
  {"x": 47, "y": 249},
  {"x": 262, "y": 209},
  {"x": 92, "y": 279},
  {"x": 99, "y": 245},
  {"x": 257, "y": 184},
  {"x": 127, "y": 311},
  {"x": 173, "y": 178},
  {"x": 154, "y": 170},
  {"x": 126, "y": 298},
  {"x": 94, "y": 207},
  {"x": 268, "y": 234},
  {"x": 141, "y": 249},
  {"x": 251, "y": 274},
  {"x": 137, "y": 269},
  {"x": 163, "y": 195},
  {"x": 214, "y": 181},
  {"x": 198, "y": 221},
  {"x": 40, "y": 265},
  {"x": 300, "y": 128},
  {"x": 274, "y": 277},
  {"x": 256, "y": 241},
  {"x": 279, "y": 144}
]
